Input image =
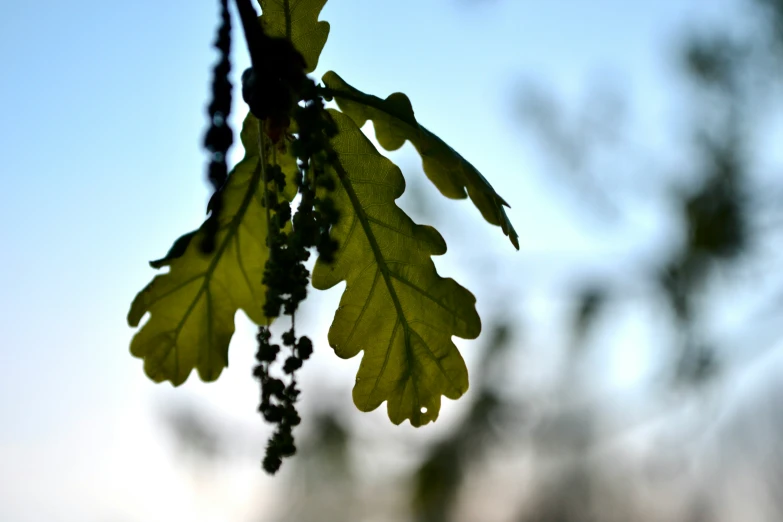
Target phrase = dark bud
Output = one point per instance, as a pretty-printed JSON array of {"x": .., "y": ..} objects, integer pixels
[
  {"x": 249, "y": 81},
  {"x": 272, "y": 307},
  {"x": 264, "y": 404},
  {"x": 252, "y": 94},
  {"x": 292, "y": 364},
  {"x": 218, "y": 138},
  {"x": 284, "y": 212},
  {"x": 304, "y": 348},
  {"x": 267, "y": 352},
  {"x": 291, "y": 417},
  {"x": 272, "y": 463},
  {"x": 263, "y": 334},
  {"x": 327, "y": 247},
  {"x": 273, "y": 413},
  {"x": 218, "y": 172},
  {"x": 328, "y": 210},
  {"x": 275, "y": 174},
  {"x": 291, "y": 392},
  {"x": 287, "y": 447},
  {"x": 274, "y": 387},
  {"x": 289, "y": 339}
]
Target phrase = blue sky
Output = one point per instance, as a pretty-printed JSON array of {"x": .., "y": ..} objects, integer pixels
[{"x": 103, "y": 111}]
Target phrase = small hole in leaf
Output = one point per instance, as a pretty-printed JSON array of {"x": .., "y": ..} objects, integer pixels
[{"x": 424, "y": 409}]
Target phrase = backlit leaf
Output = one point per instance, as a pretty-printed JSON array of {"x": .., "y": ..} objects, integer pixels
[
  {"x": 395, "y": 306},
  {"x": 192, "y": 307},
  {"x": 297, "y": 20},
  {"x": 395, "y": 123}
]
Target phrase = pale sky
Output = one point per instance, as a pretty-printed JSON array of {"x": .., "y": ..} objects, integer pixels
[{"x": 103, "y": 111}]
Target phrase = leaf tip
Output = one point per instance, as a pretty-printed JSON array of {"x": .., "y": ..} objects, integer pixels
[
  {"x": 211, "y": 373},
  {"x": 137, "y": 309}
]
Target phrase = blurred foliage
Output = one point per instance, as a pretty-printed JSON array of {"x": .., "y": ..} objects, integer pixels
[
  {"x": 194, "y": 434},
  {"x": 439, "y": 476},
  {"x": 324, "y": 485}
]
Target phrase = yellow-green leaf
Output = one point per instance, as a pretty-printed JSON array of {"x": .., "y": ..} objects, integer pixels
[
  {"x": 297, "y": 20},
  {"x": 395, "y": 123},
  {"x": 192, "y": 307},
  {"x": 395, "y": 306}
]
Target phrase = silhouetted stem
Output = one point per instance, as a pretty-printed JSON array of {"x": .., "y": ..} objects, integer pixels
[{"x": 254, "y": 34}]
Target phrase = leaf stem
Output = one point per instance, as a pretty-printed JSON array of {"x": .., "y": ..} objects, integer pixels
[
  {"x": 254, "y": 34},
  {"x": 287, "y": 12},
  {"x": 262, "y": 159}
]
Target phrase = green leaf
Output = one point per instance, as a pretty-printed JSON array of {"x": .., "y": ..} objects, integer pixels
[
  {"x": 297, "y": 20},
  {"x": 395, "y": 123},
  {"x": 176, "y": 251},
  {"x": 192, "y": 307},
  {"x": 395, "y": 307}
]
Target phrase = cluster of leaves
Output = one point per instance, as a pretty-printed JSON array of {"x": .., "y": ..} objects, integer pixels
[{"x": 395, "y": 307}]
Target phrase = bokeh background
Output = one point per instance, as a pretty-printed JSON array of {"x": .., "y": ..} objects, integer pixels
[{"x": 629, "y": 366}]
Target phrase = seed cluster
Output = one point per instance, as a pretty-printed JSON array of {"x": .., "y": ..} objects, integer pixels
[
  {"x": 285, "y": 275},
  {"x": 219, "y": 136},
  {"x": 277, "y": 90}
]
